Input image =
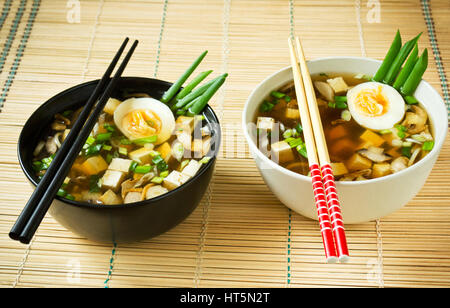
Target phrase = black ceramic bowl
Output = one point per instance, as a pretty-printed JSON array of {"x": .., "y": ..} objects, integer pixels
[{"x": 127, "y": 222}]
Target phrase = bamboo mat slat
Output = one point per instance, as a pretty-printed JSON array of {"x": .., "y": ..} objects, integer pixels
[{"x": 240, "y": 235}]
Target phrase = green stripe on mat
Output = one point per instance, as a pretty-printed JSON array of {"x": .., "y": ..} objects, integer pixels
[
  {"x": 5, "y": 11},
  {"x": 161, "y": 32},
  {"x": 12, "y": 34},
  {"x": 20, "y": 51},
  {"x": 289, "y": 243},
  {"x": 426, "y": 9}
]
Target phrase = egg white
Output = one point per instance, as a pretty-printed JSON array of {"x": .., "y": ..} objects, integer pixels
[
  {"x": 160, "y": 109},
  {"x": 393, "y": 112}
]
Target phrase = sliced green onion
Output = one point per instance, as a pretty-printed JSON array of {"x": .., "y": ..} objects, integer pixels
[
  {"x": 90, "y": 140},
  {"x": 266, "y": 106},
  {"x": 287, "y": 98},
  {"x": 109, "y": 127},
  {"x": 332, "y": 104},
  {"x": 399, "y": 59},
  {"x": 389, "y": 58},
  {"x": 340, "y": 99},
  {"x": 93, "y": 149},
  {"x": 407, "y": 68},
  {"x": 199, "y": 105},
  {"x": 142, "y": 169},
  {"x": 164, "y": 174},
  {"x": 142, "y": 141},
  {"x": 70, "y": 197},
  {"x": 61, "y": 192},
  {"x": 133, "y": 166},
  {"x": 406, "y": 151},
  {"x": 385, "y": 131},
  {"x": 299, "y": 128},
  {"x": 186, "y": 90},
  {"x": 277, "y": 94},
  {"x": 107, "y": 147},
  {"x": 301, "y": 149},
  {"x": 415, "y": 77},
  {"x": 123, "y": 151},
  {"x": 295, "y": 142},
  {"x": 125, "y": 141},
  {"x": 428, "y": 145},
  {"x": 177, "y": 85},
  {"x": 346, "y": 115},
  {"x": 184, "y": 163},
  {"x": 204, "y": 160},
  {"x": 103, "y": 137},
  {"x": 341, "y": 105},
  {"x": 157, "y": 180}
]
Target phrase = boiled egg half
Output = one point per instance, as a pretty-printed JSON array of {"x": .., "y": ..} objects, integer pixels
[
  {"x": 375, "y": 105},
  {"x": 144, "y": 117}
]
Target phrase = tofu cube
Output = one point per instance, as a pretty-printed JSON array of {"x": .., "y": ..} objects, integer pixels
[
  {"x": 372, "y": 137},
  {"x": 192, "y": 168},
  {"x": 380, "y": 170},
  {"x": 200, "y": 147},
  {"x": 292, "y": 113},
  {"x": 120, "y": 164},
  {"x": 185, "y": 123},
  {"x": 109, "y": 197},
  {"x": 94, "y": 165},
  {"x": 112, "y": 179},
  {"x": 165, "y": 151},
  {"x": 338, "y": 84},
  {"x": 358, "y": 162},
  {"x": 174, "y": 180},
  {"x": 141, "y": 155},
  {"x": 339, "y": 169},
  {"x": 111, "y": 106},
  {"x": 185, "y": 138},
  {"x": 265, "y": 124},
  {"x": 281, "y": 152}
]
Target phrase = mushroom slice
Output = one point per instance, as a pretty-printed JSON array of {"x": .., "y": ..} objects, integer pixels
[
  {"x": 39, "y": 148},
  {"x": 415, "y": 121},
  {"x": 399, "y": 164},
  {"x": 375, "y": 154},
  {"x": 152, "y": 191},
  {"x": 144, "y": 179},
  {"x": 414, "y": 155},
  {"x": 325, "y": 90},
  {"x": 128, "y": 186},
  {"x": 50, "y": 145}
]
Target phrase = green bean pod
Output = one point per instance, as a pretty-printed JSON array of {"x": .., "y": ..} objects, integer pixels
[
  {"x": 415, "y": 77},
  {"x": 186, "y": 90},
  {"x": 204, "y": 99},
  {"x": 194, "y": 94},
  {"x": 389, "y": 58},
  {"x": 399, "y": 59},
  {"x": 177, "y": 85},
  {"x": 407, "y": 69}
]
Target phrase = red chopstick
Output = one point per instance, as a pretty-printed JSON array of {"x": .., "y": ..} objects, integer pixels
[
  {"x": 329, "y": 185},
  {"x": 316, "y": 176}
]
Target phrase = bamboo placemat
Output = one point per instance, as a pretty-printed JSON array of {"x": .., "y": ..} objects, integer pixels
[{"x": 240, "y": 235}]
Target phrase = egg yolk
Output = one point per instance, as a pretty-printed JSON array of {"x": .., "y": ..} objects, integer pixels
[
  {"x": 371, "y": 102},
  {"x": 142, "y": 123}
]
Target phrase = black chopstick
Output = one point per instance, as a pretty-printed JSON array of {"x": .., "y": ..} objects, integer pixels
[
  {"x": 65, "y": 147},
  {"x": 37, "y": 208}
]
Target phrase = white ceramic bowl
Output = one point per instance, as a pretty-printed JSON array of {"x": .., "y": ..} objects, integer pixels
[{"x": 360, "y": 201}]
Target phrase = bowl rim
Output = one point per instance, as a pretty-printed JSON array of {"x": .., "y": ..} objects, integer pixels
[
  {"x": 435, "y": 151},
  {"x": 214, "y": 119}
]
